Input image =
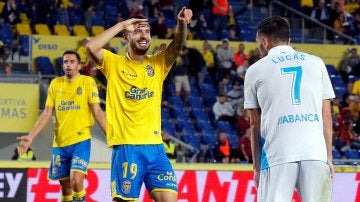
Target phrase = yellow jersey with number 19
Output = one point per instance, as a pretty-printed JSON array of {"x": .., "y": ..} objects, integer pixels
[
  {"x": 71, "y": 101},
  {"x": 133, "y": 98}
]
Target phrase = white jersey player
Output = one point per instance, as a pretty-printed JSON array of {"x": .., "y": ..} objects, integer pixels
[{"x": 287, "y": 94}]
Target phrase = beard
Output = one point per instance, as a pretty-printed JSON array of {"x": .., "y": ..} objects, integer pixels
[{"x": 137, "y": 50}]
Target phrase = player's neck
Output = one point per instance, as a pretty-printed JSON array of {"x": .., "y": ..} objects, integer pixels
[
  {"x": 135, "y": 57},
  {"x": 73, "y": 77}
]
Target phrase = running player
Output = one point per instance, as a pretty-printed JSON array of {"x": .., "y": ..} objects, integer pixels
[
  {"x": 134, "y": 92},
  {"x": 75, "y": 99},
  {"x": 287, "y": 94}
]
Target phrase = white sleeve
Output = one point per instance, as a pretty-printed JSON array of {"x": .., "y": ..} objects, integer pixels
[{"x": 250, "y": 98}]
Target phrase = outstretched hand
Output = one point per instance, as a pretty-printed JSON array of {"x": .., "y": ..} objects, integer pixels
[
  {"x": 25, "y": 142},
  {"x": 185, "y": 15}
]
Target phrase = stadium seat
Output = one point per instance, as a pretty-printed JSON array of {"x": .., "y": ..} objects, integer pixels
[
  {"x": 23, "y": 18},
  {"x": 44, "y": 65},
  {"x": 6, "y": 34},
  {"x": 331, "y": 69},
  {"x": 61, "y": 30},
  {"x": 42, "y": 29},
  {"x": 23, "y": 29},
  {"x": 59, "y": 66},
  {"x": 24, "y": 43},
  {"x": 336, "y": 154},
  {"x": 352, "y": 154},
  {"x": 97, "y": 29},
  {"x": 80, "y": 30}
]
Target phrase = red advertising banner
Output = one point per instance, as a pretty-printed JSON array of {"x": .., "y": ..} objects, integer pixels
[{"x": 194, "y": 186}]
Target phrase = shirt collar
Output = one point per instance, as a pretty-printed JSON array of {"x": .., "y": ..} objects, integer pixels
[{"x": 280, "y": 49}]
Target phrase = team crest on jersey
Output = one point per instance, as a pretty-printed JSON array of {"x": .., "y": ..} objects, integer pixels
[
  {"x": 126, "y": 186},
  {"x": 150, "y": 70},
  {"x": 79, "y": 90},
  {"x": 54, "y": 172}
]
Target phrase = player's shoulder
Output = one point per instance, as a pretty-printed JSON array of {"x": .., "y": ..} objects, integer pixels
[{"x": 310, "y": 56}]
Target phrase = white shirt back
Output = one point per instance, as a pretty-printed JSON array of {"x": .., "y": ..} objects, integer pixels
[{"x": 289, "y": 88}]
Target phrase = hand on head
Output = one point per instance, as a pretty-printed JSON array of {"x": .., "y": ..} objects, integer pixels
[
  {"x": 185, "y": 15},
  {"x": 131, "y": 24}
]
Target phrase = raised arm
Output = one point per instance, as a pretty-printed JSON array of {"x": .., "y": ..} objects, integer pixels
[
  {"x": 327, "y": 119},
  {"x": 39, "y": 125},
  {"x": 175, "y": 46},
  {"x": 99, "y": 116},
  {"x": 254, "y": 115},
  {"x": 95, "y": 45}
]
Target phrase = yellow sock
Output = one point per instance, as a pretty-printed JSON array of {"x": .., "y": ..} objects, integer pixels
[
  {"x": 66, "y": 198},
  {"x": 80, "y": 194}
]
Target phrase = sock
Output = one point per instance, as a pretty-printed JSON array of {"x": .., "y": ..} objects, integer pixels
[
  {"x": 66, "y": 198},
  {"x": 79, "y": 195}
]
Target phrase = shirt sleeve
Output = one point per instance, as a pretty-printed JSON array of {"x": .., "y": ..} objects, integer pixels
[
  {"x": 50, "y": 100},
  {"x": 250, "y": 98},
  {"x": 93, "y": 91}
]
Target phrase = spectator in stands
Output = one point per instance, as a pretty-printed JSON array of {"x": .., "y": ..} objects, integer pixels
[
  {"x": 95, "y": 74},
  {"x": 356, "y": 88},
  {"x": 223, "y": 110},
  {"x": 356, "y": 23},
  {"x": 354, "y": 107},
  {"x": 200, "y": 27},
  {"x": 222, "y": 149},
  {"x": 181, "y": 77},
  {"x": 209, "y": 60},
  {"x": 225, "y": 58},
  {"x": 350, "y": 64},
  {"x": 240, "y": 55},
  {"x": 151, "y": 8},
  {"x": 170, "y": 147},
  {"x": 241, "y": 70},
  {"x": 345, "y": 115},
  {"x": 343, "y": 25},
  {"x": 321, "y": 13},
  {"x": 158, "y": 28},
  {"x": 345, "y": 99},
  {"x": 85, "y": 61},
  {"x": 245, "y": 145},
  {"x": 220, "y": 16},
  {"x": 9, "y": 13},
  {"x": 236, "y": 95},
  {"x": 242, "y": 120},
  {"x": 223, "y": 85},
  {"x": 349, "y": 137},
  {"x": 197, "y": 65},
  {"x": 254, "y": 56},
  {"x": 135, "y": 7},
  {"x": 233, "y": 35},
  {"x": 74, "y": 100},
  {"x": 8, "y": 69},
  {"x": 335, "y": 106},
  {"x": 28, "y": 155}
]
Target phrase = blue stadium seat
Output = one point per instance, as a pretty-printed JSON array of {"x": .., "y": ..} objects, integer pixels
[
  {"x": 331, "y": 69},
  {"x": 336, "y": 154},
  {"x": 24, "y": 45},
  {"x": 44, "y": 65},
  {"x": 6, "y": 34},
  {"x": 352, "y": 154},
  {"x": 59, "y": 66}
]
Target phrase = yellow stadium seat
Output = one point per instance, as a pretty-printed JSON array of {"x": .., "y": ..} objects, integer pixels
[
  {"x": 80, "y": 30},
  {"x": 61, "y": 30},
  {"x": 2, "y": 4},
  {"x": 96, "y": 30},
  {"x": 23, "y": 29},
  {"x": 42, "y": 29},
  {"x": 24, "y": 18}
]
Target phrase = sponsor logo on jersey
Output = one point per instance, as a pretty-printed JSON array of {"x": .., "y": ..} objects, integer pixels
[{"x": 135, "y": 93}]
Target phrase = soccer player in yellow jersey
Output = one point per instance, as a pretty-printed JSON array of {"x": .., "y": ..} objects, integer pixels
[
  {"x": 133, "y": 118},
  {"x": 74, "y": 99}
]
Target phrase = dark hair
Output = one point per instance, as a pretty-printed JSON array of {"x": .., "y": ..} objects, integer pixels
[
  {"x": 276, "y": 28},
  {"x": 137, "y": 17},
  {"x": 73, "y": 53}
]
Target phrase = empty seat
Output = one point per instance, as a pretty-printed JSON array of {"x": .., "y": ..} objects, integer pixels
[
  {"x": 96, "y": 30},
  {"x": 24, "y": 43},
  {"x": 42, "y": 29},
  {"x": 23, "y": 29},
  {"x": 61, "y": 30},
  {"x": 59, "y": 66},
  {"x": 44, "y": 65},
  {"x": 80, "y": 30}
]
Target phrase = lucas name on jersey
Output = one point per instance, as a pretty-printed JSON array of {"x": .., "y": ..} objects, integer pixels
[
  {"x": 67, "y": 105},
  {"x": 295, "y": 56},
  {"x": 138, "y": 94},
  {"x": 298, "y": 118}
]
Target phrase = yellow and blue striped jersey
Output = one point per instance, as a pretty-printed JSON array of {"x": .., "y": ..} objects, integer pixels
[
  {"x": 71, "y": 101},
  {"x": 133, "y": 98}
]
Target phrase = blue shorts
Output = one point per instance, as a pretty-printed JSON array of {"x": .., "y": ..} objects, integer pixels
[
  {"x": 70, "y": 158},
  {"x": 131, "y": 165}
]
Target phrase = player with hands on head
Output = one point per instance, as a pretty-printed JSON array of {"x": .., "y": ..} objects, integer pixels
[{"x": 133, "y": 114}]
